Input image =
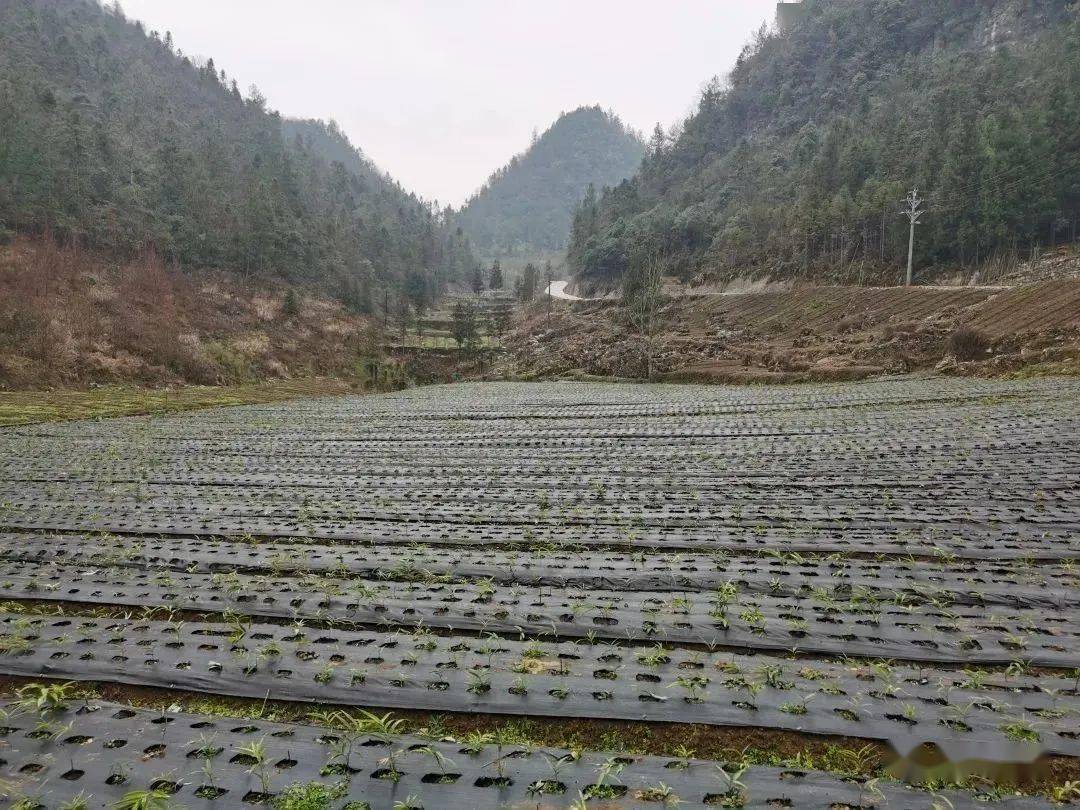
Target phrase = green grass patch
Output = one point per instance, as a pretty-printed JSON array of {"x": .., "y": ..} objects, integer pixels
[{"x": 26, "y": 407}]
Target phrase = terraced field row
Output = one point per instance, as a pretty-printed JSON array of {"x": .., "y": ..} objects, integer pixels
[
  {"x": 197, "y": 760},
  {"x": 888, "y": 564}
]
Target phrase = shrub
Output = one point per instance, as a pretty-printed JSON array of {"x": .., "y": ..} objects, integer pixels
[
  {"x": 966, "y": 343},
  {"x": 290, "y": 306},
  {"x": 235, "y": 367},
  {"x": 20, "y": 326}
]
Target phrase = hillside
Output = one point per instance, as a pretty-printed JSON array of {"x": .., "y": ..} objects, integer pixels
[
  {"x": 799, "y": 334},
  {"x": 526, "y": 206},
  {"x": 111, "y": 137},
  {"x": 795, "y": 166},
  {"x": 73, "y": 318},
  {"x": 332, "y": 145}
]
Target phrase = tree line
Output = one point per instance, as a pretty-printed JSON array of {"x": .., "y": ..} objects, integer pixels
[
  {"x": 797, "y": 163},
  {"x": 112, "y": 137}
]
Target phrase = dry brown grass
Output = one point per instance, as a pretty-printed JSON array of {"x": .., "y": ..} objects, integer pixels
[
  {"x": 71, "y": 318},
  {"x": 966, "y": 343}
]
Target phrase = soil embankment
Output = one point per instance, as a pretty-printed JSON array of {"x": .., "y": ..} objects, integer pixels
[{"x": 820, "y": 333}]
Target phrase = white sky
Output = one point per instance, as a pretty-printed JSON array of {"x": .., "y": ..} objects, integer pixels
[{"x": 442, "y": 92}]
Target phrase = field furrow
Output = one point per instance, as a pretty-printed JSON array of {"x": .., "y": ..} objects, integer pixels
[{"x": 878, "y": 570}]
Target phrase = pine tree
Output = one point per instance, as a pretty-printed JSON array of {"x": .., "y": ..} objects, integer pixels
[
  {"x": 501, "y": 317},
  {"x": 417, "y": 290},
  {"x": 463, "y": 324},
  {"x": 530, "y": 280},
  {"x": 290, "y": 305}
]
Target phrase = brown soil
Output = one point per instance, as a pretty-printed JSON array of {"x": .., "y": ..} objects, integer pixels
[
  {"x": 808, "y": 334},
  {"x": 1052, "y": 305}
]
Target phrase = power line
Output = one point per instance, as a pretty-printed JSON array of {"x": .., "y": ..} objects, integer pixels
[{"x": 958, "y": 198}]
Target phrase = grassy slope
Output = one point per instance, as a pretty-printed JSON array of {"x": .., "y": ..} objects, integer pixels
[
  {"x": 72, "y": 319},
  {"x": 25, "y": 407}
]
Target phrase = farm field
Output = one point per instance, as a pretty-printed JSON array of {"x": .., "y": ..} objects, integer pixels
[{"x": 550, "y": 595}]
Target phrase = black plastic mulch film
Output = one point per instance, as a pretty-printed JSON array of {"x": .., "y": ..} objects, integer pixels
[
  {"x": 890, "y": 471},
  {"x": 105, "y": 751},
  {"x": 954, "y": 634},
  {"x": 590, "y": 489},
  {"x": 965, "y": 713},
  {"x": 1015, "y": 583},
  {"x": 993, "y": 544}
]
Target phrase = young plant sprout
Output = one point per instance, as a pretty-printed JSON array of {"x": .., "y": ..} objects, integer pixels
[{"x": 44, "y": 699}]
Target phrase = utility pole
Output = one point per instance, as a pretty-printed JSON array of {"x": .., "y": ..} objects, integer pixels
[
  {"x": 913, "y": 211},
  {"x": 549, "y": 277}
]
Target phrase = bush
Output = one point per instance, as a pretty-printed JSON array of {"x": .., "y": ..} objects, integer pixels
[
  {"x": 966, "y": 343},
  {"x": 233, "y": 364},
  {"x": 19, "y": 326},
  {"x": 290, "y": 306}
]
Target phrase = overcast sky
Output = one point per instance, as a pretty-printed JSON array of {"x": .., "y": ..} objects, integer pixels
[{"x": 442, "y": 92}]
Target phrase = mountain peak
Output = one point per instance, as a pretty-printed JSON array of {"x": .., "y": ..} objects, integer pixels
[{"x": 526, "y": 206}]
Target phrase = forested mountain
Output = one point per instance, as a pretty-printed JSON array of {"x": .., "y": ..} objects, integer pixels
[
  {"x": 112, "y": 136},
  {"x": 328, "y": 141},
  {"x": 526, "y": 206},
  {"x": 798, "y": 162}
]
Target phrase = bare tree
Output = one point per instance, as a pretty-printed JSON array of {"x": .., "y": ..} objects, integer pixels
[{"x": 642, "y": 298}]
